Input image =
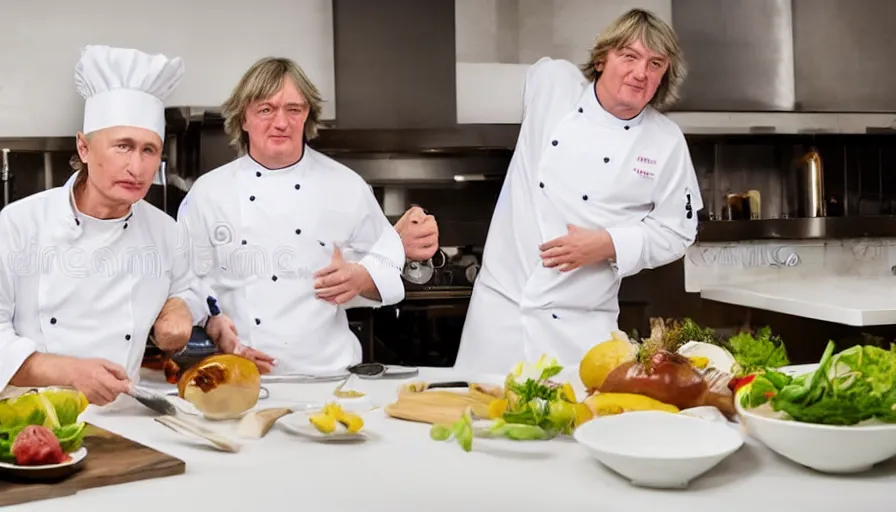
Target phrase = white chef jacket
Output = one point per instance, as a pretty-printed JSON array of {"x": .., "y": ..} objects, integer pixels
[
  {"x": 575, "y": 163},
  {"x": 74, "y": 285},
  {"x": 259, "y": 235}
]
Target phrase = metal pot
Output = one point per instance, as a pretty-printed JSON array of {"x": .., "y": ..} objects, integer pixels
[{"x": 418, "y": 272}]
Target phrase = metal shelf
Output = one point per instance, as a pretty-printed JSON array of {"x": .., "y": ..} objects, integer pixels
[{"x": 822, "y": 228}]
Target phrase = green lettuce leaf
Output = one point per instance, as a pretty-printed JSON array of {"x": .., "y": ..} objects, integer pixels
[
  {"x": 758, "y": 351},
  {"x": 70, "y": 436},
  {"x": 20, "y": 411},
  {"x": 855, "y": 385},
  {"x": 67, "y": 404}
]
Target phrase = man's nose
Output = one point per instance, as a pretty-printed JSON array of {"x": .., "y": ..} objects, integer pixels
[
  {"x": 641, "y": 71},
  {"x": 280, "y": 119}
]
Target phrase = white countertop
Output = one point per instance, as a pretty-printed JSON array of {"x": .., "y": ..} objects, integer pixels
[
  {"x": 403, "y": 469},
  {"x": 850, "y": 300}
]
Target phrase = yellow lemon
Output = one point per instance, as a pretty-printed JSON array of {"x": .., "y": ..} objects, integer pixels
[{"x": 603, "y": 358}]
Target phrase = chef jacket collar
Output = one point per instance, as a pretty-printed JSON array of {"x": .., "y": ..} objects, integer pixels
[
  {"x": 293, "y": 166},
  {"x": 68, "y": 215},
  {"x": 592, "y": 108}
]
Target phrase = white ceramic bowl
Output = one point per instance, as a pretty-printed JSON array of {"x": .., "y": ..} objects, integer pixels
[
  {"x": 658, "y": 449},
  {"x": 825, "y": 448}
]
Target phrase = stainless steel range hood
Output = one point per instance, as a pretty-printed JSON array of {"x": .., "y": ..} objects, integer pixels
[
  {"x": 756, "y": 66},
  {"x": 813, "y": 56}
]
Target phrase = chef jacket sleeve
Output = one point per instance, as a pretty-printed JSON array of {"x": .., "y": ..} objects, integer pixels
[
  {"x": 664, "y": 235},
  {"x": 376, "y": 246},
  {"x": 14, "y": 349}
]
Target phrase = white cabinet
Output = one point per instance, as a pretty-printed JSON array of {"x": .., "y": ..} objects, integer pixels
[
  {"x": 497, "y": 40},
  {"x": 218, "y": 40}
]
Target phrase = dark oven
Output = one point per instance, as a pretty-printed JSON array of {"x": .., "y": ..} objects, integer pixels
[{"x": 425, "y": 328}]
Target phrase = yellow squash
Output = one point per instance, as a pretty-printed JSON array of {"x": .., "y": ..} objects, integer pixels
[
  {"x": 326, "y": 420},
  {"x": 605, "y": 404}
]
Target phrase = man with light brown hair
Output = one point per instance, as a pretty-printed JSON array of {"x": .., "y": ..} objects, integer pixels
[
  {"x": 293, "y": 237},
  {"x": 601, "y": 186}
]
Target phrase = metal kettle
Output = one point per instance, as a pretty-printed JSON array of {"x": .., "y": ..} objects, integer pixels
[
  {"x": 5, "y": 178},
  {"x": 810, "y": 185}
]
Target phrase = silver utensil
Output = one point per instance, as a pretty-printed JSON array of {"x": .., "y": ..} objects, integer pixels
[
  {"x": 263, "y": 393},
  {"x": 156, "y": 402},
  {"x": 299, "y": 378},
  {"x": 178, "y": 422}
]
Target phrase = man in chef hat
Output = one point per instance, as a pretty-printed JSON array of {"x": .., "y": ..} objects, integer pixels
[
  {"x": 298, "y": 236},
  {"x": 86, "y": 268},
  {"x": 601, "y": 187}
]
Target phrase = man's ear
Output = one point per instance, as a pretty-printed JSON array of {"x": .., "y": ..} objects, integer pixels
[{"x": 83, "y": 146}]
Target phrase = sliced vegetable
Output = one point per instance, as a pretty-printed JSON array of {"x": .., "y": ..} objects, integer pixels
[
  {"x": 604, "y": 404},
  {"x": 758, "y": 351}
]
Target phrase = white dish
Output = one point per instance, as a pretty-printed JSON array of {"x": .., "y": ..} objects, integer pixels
[
  {"x": 47, "y": 471},
  {"x": 824, "y": 448},
  {"x": 658, "y": 449},
  {"x": 298, "y": 424}
]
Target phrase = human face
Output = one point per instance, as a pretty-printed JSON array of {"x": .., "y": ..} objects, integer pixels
[
  {"x": 629, "y": 79},
  {"x": 121, "y": 163},
  {"x": 275, "y": 126}
]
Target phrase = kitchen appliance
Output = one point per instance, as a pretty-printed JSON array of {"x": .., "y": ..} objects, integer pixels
[
  {"x": 5, "y": 178},
  {"x": 425, "y": 328},
  {"x": 810, "y": 185}
]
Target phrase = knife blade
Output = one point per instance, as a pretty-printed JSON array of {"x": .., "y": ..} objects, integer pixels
[{"x": 157, "y": 403}]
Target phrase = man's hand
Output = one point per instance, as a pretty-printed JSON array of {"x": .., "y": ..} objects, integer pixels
[
  {"x": 419, "y": 233},
  {"x": 174, "y": 325},
  {"x": 100, "y": 380},
  {"x": 341, "y": 281},
  {"x": 223, "y": 333},
  {"x": 580, "y": 247}
]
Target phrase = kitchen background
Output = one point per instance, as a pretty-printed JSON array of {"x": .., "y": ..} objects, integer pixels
[{"x": 789, "y": 109}]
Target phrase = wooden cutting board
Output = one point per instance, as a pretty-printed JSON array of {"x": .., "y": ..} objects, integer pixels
[
  {"x": 417, "y": 403},
  {"x": 111, "y": 460}
]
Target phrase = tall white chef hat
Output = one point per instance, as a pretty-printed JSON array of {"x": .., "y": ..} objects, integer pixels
[{"x": 125, "y": 87}]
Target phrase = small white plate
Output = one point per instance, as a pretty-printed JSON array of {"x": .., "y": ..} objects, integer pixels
[
  {"x": 297, "y": 423},
  {"x": 47, "y": 471}
]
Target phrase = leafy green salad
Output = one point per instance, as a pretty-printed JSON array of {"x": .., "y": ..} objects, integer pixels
[
  {"x": 856, "y": 385},
  {"x": 533, "y": 409},
  {"x": 57, "y": 410}
]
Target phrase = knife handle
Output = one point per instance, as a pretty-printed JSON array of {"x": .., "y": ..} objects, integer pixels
[{"x": 453, "y": 384}]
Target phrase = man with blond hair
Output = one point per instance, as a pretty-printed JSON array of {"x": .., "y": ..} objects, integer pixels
[
  {"x": 601, "y": 186},
  {"x": 294, "y": 238}
]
